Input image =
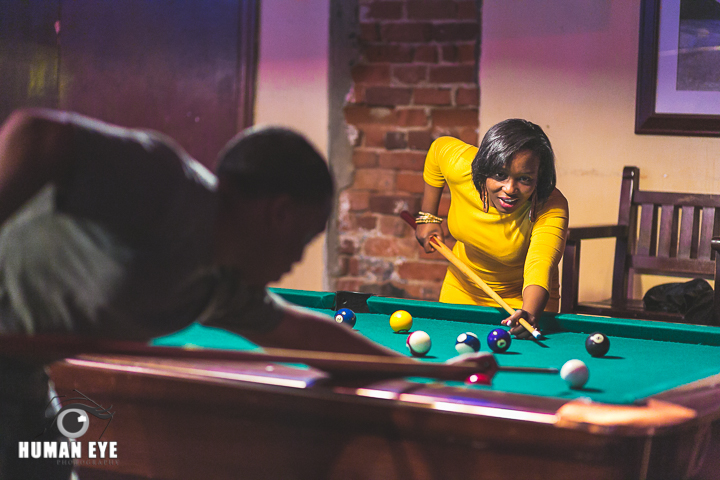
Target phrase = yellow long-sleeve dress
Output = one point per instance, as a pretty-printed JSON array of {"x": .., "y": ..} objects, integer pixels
[{"x": 508, "y": 251}]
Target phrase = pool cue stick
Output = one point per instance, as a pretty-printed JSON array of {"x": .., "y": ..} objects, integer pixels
[
  {"x": 48, "y": 348},
  {"x": 452, "y": 258}
]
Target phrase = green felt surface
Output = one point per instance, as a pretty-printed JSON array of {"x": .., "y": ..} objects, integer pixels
[{"x": 645, "y": 358}]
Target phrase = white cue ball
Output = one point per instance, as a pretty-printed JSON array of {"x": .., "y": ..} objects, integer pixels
[
  {"x": 575, "y": 373},
  {"x": 418, "y": 343}
]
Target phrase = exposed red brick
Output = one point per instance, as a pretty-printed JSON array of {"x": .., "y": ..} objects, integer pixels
[
  {"x": 424, "y": 290},
  {"x": 402, "y": 160},
  {"x": 364, "y": 158},
  {"x": 411, "y": 117},
  {"x": 347, "y": 246},
  {"x": 374, "y": 137},
  {"x": 388, "y": 96},
  {"x": 467, "y": 10},
  {"x": 374, "y": 179},
  {"x": 389, "y": 246},
  {"x": 381, "y": 11},
  {"x": 356, "y": 95},
  {"x": 384, "y": 53},
  {"x": 371, "y": 74},
  {"x": 342, "y": 266},
  {"x": 366, "y": 222},
  {"x": 455, "y": 31},
  {"x": 411, "y": 74},
  {"x": 419, "y": 140},
  {"x": 468, "y": 135},
  {"x": 467, "y": 53},
  {"x": 449, "y": 53},
  {"x": 395, "y": 226},
  {"x": 361, "y": 115},
  {"x": 369, "y": 32},
  {"x": 467, "y": 96},
  {"x": 357, "y": 199},
  {"x": 406, "y": 32},
  {"x": 431, "y": 96},
  {"x": 352, "y": 267},
  {"x": 451, "y": 73},
  {"x": 459, "y": 53},
  {"x": 455, "y": 117},
  {"x": 422, "y": 270},
  {"x": 410, "y": 182},
  {"x": 431, "y": 10},
  {"x": 395, "y": 140},
  {"x": 348, "y": 284},
  {"x": 426, "y": 54},
  {"x": 394, "y": 204}
]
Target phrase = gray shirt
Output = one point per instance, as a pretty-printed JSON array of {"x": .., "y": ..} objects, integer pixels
[{"x": 121, "y": 247}]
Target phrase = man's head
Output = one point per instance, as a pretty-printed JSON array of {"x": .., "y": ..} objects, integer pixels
[{"x": 275, "y": 196}]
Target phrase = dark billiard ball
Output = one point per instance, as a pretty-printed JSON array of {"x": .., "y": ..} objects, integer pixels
[
  {"x": 346, "y": 317},
  {"x": 499, "y": 340},
  {"x": 467, "y": 342},
  {"x": 597, "y": 344}
]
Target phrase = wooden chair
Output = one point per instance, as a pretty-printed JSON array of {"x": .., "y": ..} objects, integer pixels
[{"x": 676, "y": 237}]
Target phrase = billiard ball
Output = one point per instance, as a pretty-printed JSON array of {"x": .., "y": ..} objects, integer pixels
[
  {"x": 575, "y": 373},
  {"x": 419, "y": 343},
  {"x": 597, "y": 344},
  {"x": 346, "y": 317},
  {"x": 401, "y": 321},
  {"x": 499, "y": 340},
  {"x": 467, "y": 342}
]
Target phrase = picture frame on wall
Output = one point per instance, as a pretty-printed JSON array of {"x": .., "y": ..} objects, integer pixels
[{"x": 678, "y": 85}]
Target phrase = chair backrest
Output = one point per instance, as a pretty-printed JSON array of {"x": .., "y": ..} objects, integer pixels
[{"x": 669, "y": 234}]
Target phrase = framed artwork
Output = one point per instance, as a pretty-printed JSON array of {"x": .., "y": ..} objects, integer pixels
[{"x": 678, "y": 87}]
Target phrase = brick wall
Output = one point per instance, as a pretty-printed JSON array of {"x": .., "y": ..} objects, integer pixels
[{"x": 416, "y": 79}]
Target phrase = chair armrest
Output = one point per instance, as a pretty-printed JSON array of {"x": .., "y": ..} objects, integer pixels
[
  {"x": 715, "y": 244},
  {"x": 600, "y": 231}
]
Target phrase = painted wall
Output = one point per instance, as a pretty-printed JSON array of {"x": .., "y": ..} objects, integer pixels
[
  {"x": 571, "y": 67},
  {"x": 292, "y": 88}
]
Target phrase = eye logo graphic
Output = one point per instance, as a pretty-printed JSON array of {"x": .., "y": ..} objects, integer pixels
[{"x": 73, "y": 421}]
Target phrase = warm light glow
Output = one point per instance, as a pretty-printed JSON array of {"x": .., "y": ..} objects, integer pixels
[
  {"x": 173, "y": 371},
  {"x": 368, "y": 392},
  {"x": 480, "y": 410}
]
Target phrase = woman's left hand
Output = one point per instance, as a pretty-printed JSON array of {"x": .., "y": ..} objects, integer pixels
[{"x": 513, "y": 322}]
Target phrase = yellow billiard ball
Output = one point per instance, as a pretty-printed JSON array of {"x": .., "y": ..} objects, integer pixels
[{"x": 401, "y": 321}]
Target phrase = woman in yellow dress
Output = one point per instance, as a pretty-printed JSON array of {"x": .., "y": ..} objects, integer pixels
[{"x": 509, "y": 220}]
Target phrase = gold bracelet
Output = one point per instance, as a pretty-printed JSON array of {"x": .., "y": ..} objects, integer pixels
[{"x": 424, "y": 217}]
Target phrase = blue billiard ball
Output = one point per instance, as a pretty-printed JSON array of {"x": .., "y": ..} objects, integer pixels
[
  {"x": 346, "y": 317},
  {"x": 499, "y": 340},
  {"x": 467, "y": 342}
]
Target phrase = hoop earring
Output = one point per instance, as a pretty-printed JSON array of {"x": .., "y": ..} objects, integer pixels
[
  {"x": 533, "y": 207},
  {"x": 484, "y": 199}
]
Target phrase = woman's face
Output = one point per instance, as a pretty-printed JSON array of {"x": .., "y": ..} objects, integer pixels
[{"x": 510, "y": 188}]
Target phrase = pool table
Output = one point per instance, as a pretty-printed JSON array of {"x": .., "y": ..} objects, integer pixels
[{"x": 648, "y": 411}]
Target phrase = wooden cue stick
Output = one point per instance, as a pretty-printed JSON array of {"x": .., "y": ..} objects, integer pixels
[
  {"x": 49, "y": 348},
  {"x": 450, "y": 256}
]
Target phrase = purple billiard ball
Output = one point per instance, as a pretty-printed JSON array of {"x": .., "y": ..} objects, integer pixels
[{"x": 499, "y": 340}]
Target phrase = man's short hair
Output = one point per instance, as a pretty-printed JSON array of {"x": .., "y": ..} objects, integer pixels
[{"x": 270, "y": 161}]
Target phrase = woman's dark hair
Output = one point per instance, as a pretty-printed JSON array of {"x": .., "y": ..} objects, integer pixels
[
  {"x": 269, "y": 161},
  {"x": 504, "y": 140}
]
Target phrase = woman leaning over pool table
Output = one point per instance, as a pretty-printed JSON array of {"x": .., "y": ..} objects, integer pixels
[{"x": 509, "y": 220}]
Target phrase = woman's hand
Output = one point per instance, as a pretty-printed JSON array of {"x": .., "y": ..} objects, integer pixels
[
  {"x": 423, "y": 233},
  {"x": 513, "y": 322}
]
